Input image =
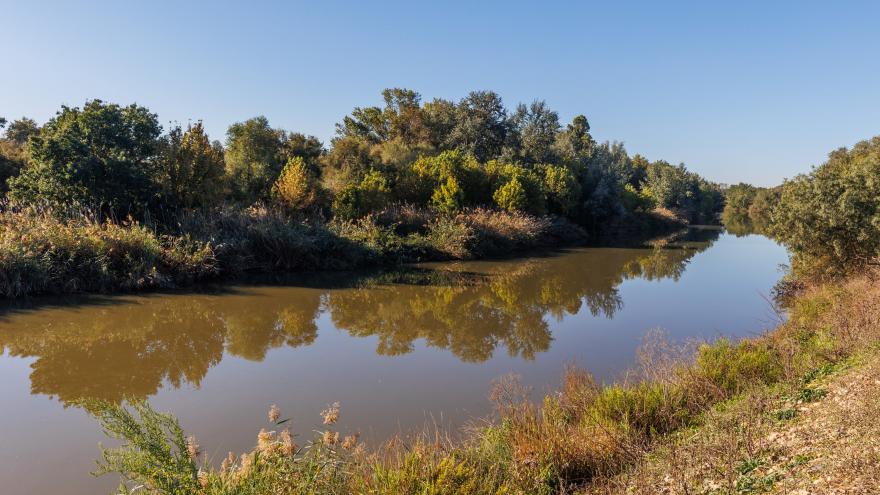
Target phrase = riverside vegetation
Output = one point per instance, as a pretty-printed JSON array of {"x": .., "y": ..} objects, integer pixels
[
  {"x": 688, "y": 421},
  {"x": 100, "y": 199}
]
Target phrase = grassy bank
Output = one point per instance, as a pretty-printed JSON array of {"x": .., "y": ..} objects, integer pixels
[
  {"x": 583, "y": 437},
  {"x": 44, "y": 253}
]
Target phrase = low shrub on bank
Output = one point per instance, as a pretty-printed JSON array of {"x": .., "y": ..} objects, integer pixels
[
  {"x": 40, "y": 253},
  {"x": 51, "y": 253}
]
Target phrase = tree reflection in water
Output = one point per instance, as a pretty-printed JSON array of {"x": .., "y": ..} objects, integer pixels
[{"x": 117, "y": 347}]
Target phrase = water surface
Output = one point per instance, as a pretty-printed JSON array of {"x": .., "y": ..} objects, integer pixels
[{"x": 397, "y": 349}]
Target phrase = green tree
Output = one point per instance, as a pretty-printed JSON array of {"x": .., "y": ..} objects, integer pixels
[
  {"x": 575, "y": 145},
  {"x": 13, "y": 154},
  {"x": 101, "y": 155},
  {"x": 830, "y": 218},
  {"x": 440, "y": 118},
  {"x": 738, "y": 198},
  {"x": 21, "y": 130},
  {"x": 761, "y": 209},
  {"x": 309, "y": 148},
  {"x": 481, "y": 126},
  {"x": 536, "y": 127},
  {"x": 254, "y": 157},
  {"x": 191, "y": 168}
]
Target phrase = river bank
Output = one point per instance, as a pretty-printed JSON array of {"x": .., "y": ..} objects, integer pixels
[{"x": 42, "y": 253}]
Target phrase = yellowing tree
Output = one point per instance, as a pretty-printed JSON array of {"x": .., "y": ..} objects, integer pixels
[
  {"x": 512, "y": 196},
  {"x": 295, "y": 188},
  {"x": 448, "y": 197}
]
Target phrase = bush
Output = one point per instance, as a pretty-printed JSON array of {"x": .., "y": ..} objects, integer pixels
[
  {"x": 526, "y": 196},
  {"x": 512, "y": 196},
  {"x": 734, "y": 367},
  {"x": 448, "y": 197},
  {"x": 355, "y": 201},
  {"x": 42, "y": 254},
  {"x": 561, "y": 189},
  {"x": 433, "y": 172}
]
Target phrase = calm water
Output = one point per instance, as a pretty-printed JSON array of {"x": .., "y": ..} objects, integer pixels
[{"x": 397, "y": 350}]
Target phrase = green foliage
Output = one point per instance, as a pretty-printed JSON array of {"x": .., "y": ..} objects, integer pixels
[
  {"x": 309, "y": 148},
  {"x": 761, "y": 209},
  {"x": 733, "y": 367},
  {"x": 482, "y": 127},
  {"x": 21, "y": 130},
  {"x": 101, "y": 155},
  {"x": 191, "y": 169},
  {"x": 370, "y": 195},
  {"x": 429, "y": 173},
  {"x": 253, "y": 157},
  {"x": 829, "y": 218},
  {"x": 637, "y": 200},
  {"x": 562, "y": 190},
  {"x": 155, "y": 452},
  {"x": 535, "y": 127},
  {"x": 522, "y": 187},
  {"x": 738, "y": 198},
  {"x": 512, "y": 196},
  {"x": 677, "y": 189},
  {"x": 13, "y": 158},
  {"x": 448, "y": 197}
]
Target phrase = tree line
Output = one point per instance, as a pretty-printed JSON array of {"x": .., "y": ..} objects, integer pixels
[
  {"x": 829, "y": 218},
  {"x": 440, "y": 155}
]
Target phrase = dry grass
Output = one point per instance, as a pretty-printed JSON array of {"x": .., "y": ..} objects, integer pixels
[
  {"x": 42, "y": 252},
  {"x": 815, "y": 431}
]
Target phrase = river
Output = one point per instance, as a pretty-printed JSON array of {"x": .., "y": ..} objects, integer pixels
[{"x": 398, "y": 349}]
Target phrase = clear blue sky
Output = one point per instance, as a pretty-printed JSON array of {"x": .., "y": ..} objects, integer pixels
[{"x": 748, "y": 91}]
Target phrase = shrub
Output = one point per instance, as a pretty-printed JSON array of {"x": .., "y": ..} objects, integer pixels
[
  {"x": 451, "y": 237},
  {"x": 734, "y": 367},
  {"x": 448, "y": 197},
  {"x": 501, "y": 174},
  {"x": 512, "y": 196},
  {"x": 355, "y": 201},
  {"x": 562, "y": 190},
  {"x": 41, "y": 254},
  {"x": 432, "y": 172}
]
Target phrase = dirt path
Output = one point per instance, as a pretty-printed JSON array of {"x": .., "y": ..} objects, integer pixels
[
  {"x": 821, "y": 438},
  {"x": 833, "y": 445}
]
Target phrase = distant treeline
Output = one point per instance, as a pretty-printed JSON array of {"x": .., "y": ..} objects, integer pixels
[
  {"x": 442, "y": 155},
  {"x": 829, "y": 218}
]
